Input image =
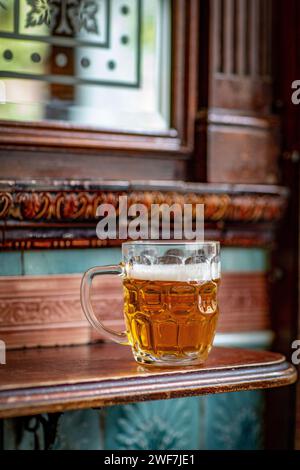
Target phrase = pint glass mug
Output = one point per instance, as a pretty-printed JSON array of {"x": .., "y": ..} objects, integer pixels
[{"x": 170, "y": 300}]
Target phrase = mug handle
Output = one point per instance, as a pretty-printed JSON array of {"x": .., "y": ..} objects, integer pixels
[{"x": 86, "y": 284}]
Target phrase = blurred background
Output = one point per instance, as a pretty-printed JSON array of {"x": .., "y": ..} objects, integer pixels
[{"x": 162, "y": 101}]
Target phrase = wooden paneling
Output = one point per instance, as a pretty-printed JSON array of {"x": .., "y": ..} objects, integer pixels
[
  {"x": 22, "y": 163},
  {"x": 256, "y": 148},
  {"x": 46, "y": 310},
  {"x": 37, "y": 381},
  {"x": 235, "y": 126},
  {"x": 240, "y": 55}
]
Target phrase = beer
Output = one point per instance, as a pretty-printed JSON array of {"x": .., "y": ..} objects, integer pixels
[
  {"x": 170, "y": 300},
  {"x": 168, "y": 316}
]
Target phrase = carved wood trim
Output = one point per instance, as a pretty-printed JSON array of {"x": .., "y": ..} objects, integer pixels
[
  {"x": 46, "y": 310},
  {"x": 62, "y": 214},
  {"x": 58, "y": 206}
]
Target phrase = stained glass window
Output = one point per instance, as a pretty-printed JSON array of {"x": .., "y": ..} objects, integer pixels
[{"x": 104, "y": 63}]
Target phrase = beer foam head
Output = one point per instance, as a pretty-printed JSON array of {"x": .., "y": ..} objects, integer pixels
[{"x": 171, "y": 272}]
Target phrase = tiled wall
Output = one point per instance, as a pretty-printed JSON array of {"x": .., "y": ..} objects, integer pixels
[
  {"x": 223, "y": 421},
  {"x": 77, "y": 261},
  {"x": 55, "y": 261}
]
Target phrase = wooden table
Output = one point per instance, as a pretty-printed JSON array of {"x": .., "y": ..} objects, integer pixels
[{"x": 57, "y": 379}]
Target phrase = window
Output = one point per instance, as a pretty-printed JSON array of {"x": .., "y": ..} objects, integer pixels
[
  {"x": 112, "y": 77},
  {"x": 91, "y": 62}
]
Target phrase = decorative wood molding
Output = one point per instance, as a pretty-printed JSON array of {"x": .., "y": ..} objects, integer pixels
[
  {"x": 79, "y": 206},
  {"x": 58, "y": 206},
  {"x": 46, "y": 310},
  {"x": 61, "y": 214}
]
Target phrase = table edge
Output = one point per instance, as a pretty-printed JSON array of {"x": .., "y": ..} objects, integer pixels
[{"x": 59, "y": 398}]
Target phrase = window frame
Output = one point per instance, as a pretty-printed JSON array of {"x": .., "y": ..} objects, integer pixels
[{"x": 178, "y": 140}]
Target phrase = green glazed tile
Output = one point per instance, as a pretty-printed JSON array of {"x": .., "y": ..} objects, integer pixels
[
  {"x": 68, "y": 261},
  {"x": 11, "y": 263},
  {"x": 78, "y": 261},
  {"x": 234, "y": 421},
  {"x": 75, "y": 430},
  {"x": 78, "y": 430},
  {"x": 156, "y": 425},
  {"x": 244, "y": 259}
]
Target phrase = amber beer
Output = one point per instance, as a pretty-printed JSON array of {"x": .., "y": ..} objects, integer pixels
[
  {"x": 170, "y": 300},
  {"x": 167, "y": 316}
]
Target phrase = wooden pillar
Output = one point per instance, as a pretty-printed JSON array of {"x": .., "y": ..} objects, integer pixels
[
  {"x": 285, "y": 308},
  {"x": 236, "y": 133}
]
